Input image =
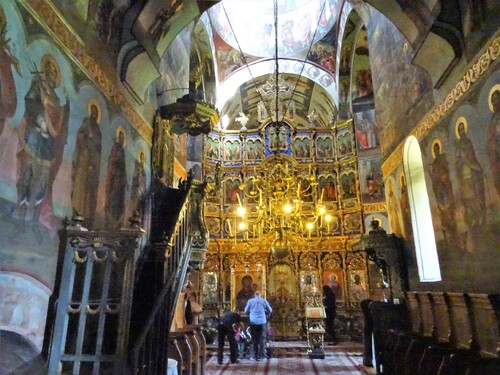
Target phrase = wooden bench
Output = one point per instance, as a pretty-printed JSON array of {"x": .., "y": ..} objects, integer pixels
[{"x": 437, "y": 333}]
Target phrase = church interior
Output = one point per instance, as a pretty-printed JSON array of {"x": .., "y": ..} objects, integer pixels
[{"x": 163, "y": 160}]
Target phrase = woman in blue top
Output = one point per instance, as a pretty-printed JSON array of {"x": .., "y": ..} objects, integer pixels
[{"x": 258, "y": 309}]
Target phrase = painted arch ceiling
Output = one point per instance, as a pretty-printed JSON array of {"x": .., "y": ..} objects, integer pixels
[{"x": 243, "y": 50}]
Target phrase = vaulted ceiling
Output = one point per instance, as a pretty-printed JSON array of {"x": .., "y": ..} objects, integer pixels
[{"x": 235, "y": 45}]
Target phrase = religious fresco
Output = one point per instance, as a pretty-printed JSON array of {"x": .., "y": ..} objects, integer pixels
[
  {"x": 301, "y": 146},
  {"x": 8, "y": 64},
  {"x": 229, "y": 59},
  {"x": 292, "y": 16},
  {"x": 63, "y": 147},
  {"x": 328, "y": 187},
  {"x": 345, "y": 143},
  {"x": 232, "y": 150},
  {"x": 461, "y": 155},
  {"x": 212, "y": 147},
  {"x": 394, "y": 208},
  {"x": 323, "y": 53},
  {"x": 173, "y": 69},
  {"x": 324, "y": 146},
  {"x": 370, "y": 180},
  {"x": 254, "y": 149},
  {"x": 87, "y": 164},
  {"x": 380, "y": 217},
  {"x": 367, "y": 134},
  {"x": 97, "y": 22},
  {"x": 409, "y": 96}
]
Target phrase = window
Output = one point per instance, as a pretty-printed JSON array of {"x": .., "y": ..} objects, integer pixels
[{"x": 421, "y": 218}]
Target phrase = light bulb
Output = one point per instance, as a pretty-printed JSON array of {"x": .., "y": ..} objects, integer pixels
[{"x": 241, "y": 211}]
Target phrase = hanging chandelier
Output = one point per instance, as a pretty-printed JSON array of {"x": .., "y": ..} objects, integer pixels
[{"x": 280, "y": 205}]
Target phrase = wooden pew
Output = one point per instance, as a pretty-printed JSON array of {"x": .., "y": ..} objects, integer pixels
[
  {"x": 415, "y": 344},
  {"x": 186, "y": 352},
  {"x": 443, "y": 334},
  {"x": 175, "y": 353},
  {"x": 195, "y": 349},
  {"x": 388, "y": 320},
  {"x": 485, "y": 311}
]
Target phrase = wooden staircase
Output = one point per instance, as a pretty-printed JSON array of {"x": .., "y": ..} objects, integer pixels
[{"x": 113, "y": 303}]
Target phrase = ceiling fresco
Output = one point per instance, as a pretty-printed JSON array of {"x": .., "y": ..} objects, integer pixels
[
  {"x": 249, "y": 26},
  {"x": 244, "y": 58}
]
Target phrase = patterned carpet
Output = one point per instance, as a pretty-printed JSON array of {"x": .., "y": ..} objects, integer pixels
[{"x": 291, "y": 358}]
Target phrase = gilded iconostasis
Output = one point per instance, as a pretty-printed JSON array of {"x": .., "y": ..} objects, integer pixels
[{"x": 80, "y": 84}]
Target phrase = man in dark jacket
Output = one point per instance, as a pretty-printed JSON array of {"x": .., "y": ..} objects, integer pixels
[
  {"x": 225, "y": 329},
  {"x": 331, "y": 312}
]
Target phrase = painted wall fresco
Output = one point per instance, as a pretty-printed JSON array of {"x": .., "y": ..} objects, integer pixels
[
  {"x": 63, "y": 146},
  {"x": 97, "y": 22},
  {"x": 409, "y": 95},
  {"x": 461, "y": 163}
]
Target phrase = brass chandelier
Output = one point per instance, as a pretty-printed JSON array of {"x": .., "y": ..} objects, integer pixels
[{"x": 281, "y": 206}]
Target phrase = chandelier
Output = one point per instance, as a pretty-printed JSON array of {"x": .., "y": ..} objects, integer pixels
[{"x": 282, "y": 206}]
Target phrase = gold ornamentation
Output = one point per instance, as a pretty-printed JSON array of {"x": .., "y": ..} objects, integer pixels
[
  {"x": 94, "y": 102},
  {"x": 490, "y": 95},
  {"x": 460, "y": 120},
  {"x": 374, "y": 207},
  {"x": 437, "y": 141}
]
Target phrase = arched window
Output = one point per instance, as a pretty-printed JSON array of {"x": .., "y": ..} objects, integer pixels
[{"x": 421, "y": 218}]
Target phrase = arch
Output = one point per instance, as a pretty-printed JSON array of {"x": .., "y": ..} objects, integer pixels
[
  {"x": 24, "y": 306},
  {"x": 421, "y": 218}
]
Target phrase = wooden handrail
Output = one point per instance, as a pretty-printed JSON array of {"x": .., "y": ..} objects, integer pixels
[{"x": 149, "y": 353}]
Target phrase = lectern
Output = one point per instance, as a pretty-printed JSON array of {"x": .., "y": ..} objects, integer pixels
[{"x": 315, "y": 317}]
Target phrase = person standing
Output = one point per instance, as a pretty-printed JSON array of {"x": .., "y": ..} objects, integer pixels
[
  {"x": 331, "y": 312},
  {"x": 258, "y": 309},
  {"x": 225, "y": 329}
]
